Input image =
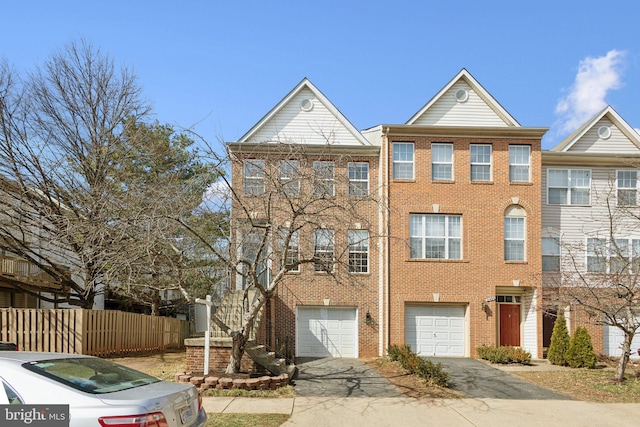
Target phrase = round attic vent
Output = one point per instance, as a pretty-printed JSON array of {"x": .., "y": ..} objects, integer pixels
[
  {"x": 462, "y": 95},
  {"x": 306, "y": 105},
  {"x": 604, "y": 132}
]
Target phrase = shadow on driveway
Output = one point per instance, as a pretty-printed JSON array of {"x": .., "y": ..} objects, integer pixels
[
  {"x": 476, "y": 379},
  {"x": 340, "y": 377}
]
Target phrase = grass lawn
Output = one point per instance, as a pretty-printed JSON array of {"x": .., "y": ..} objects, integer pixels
[
  {"x": 592, "y": 385},
  {"x": 246, "y": 420}
]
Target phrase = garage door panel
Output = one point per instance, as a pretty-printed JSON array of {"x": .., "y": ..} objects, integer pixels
[
  {"x": 435, "y": 330},
  {"x": 325, "y": 331}
]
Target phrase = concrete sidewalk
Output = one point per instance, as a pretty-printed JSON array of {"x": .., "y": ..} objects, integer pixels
[{"x": 402, "y": 411}]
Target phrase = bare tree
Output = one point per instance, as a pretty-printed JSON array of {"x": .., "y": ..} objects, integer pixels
[
  {"x": 61, "y": 129},
  {"x": 599, "y": 276},
  {"x": 288, "y": 203}
]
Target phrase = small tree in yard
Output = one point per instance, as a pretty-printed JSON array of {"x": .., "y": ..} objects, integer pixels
[
  {"x": 559, "y": 341},
  {"x": 580, "y": 353}
]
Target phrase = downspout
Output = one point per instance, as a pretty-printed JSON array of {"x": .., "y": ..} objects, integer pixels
[{"x": 383, "y": 221}]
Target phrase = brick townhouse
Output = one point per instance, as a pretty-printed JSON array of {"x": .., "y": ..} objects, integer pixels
[{"x": 454, "y": 238}]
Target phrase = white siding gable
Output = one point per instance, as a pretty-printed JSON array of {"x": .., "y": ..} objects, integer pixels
[
  {"x": 305, "y": 116},
  {"x": 617, "y": 143},
  {"x": 448, "y": 111}
]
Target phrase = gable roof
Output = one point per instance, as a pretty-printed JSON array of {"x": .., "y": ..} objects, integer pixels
[
  {"x": 607, "y": 114},
  {"x": 494, "y": 113},
  {"x": 306, "y": 123}
]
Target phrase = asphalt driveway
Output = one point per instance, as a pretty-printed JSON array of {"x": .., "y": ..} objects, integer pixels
[
  {"x": 476, "y": 379},
  {"x": 340, "y": 377}
]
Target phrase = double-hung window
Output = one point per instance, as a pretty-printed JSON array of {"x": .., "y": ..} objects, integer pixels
[
  {"x": 435, "y": 236},
  {"x": 324, "y": 182},
  {"x": 255, "y": 255},
  {"x": 569, "y": 187},
  {"x": 480, "y": 159},
  {"x": 627, "y": 187},
  {"x": 289, "y": 175},
  {"x": 442, "y": 162},
  {"x": 402, "y": 160},
  {"x": 515, "y": 234},
  {"x": 358, "y": 178},
  {"x": 613, "y": 256},
  {"x": 323, "y": 250},
  {"x": 519, "y": 163},
  {"x": 253, "y": 177},
  {"x": 550, "y": 254},
  {"x": 292, "y": 250},
  {"x": 358, "y": 251}
]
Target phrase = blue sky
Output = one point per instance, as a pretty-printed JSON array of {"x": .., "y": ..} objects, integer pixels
[{"x": 218, "y": 67}]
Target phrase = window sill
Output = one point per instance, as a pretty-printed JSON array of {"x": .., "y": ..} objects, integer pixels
[
  {"x": 481, "y": 182},
  {"x": 516, "y": 262},
  {"x": 403, "y": 181},
  {"x": 443, "y": 181},
  {"x": 451, "y": 261},
  {"x": 521, "y": 183}
]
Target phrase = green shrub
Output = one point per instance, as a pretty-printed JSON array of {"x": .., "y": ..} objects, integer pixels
[
  {"x": 580, "y": 353},
  {"x": 504, "y": 354},
  {"x": 559, "y": 342},
  {"x": 431, "y": 372}
]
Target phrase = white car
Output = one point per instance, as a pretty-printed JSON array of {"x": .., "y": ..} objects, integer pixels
[{"x": 98, "y": 392}]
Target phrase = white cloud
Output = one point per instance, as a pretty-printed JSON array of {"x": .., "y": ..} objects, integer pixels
[
  {"x": 217, "y": 193},
  {"x": 595, "y": 79}
]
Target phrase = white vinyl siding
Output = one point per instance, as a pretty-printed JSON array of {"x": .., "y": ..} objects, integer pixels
[
  {"x": 530, "y": 323},
  {"x": 617, "y": 143},
  {"x": 292, "y": 125},
  {"x": 447, "y": 111}
]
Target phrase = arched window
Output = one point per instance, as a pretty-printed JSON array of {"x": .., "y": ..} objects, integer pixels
[{"x": 515, "y": 233}]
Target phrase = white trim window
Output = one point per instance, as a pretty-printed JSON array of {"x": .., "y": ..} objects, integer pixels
[
  {"x": 627, "y": 187},
  {"x": 358, "y": 178},
  {"x": 550, "y": 254},
  {"x": 402, "y": 153},
  {"x": 255, "y": 254},
  {"x": 621, "y": 255},
  {"x": 569, "y": 187},
  {"x": 358, "y": 251},
  {"x": 324, "y": 184},
  {"x": 519, "y": 163},
  {"x": 292, "y": 252},
  {"x": 515, "y": 234},
  {"x": 323, "y": 250},
  {"x": 289, "y": 175},
  {"x": 442, "y": 162},
  {"x": 435, "y": 236},
  {"x": 480, "y": 159},
  {"x": 253, "y": 177}
]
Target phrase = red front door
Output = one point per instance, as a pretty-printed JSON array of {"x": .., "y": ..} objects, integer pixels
[{"x": 510, "y": 324}]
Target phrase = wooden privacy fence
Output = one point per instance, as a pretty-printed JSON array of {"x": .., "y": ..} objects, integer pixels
[{"x": 93, "y": 332}]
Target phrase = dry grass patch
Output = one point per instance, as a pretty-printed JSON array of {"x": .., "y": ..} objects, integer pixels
[
  {"x": 409, "y": 385},
  {"x": 593, "y": 385},
  {"x": 246, "y": 420}
]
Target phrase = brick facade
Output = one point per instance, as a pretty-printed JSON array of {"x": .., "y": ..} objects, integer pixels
[{"x": 482, "y": 272}]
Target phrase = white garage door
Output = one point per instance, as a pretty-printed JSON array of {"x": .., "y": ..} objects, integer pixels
[
  {"x": 613, "y": 338},
  {"x": 435, "y": 330},
  {"x": 326, "y": 331}
]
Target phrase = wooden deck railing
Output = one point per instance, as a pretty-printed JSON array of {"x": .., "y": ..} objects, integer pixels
[
  {"x": 93, "y": 332},
  {"x": 26, "y": 271}
]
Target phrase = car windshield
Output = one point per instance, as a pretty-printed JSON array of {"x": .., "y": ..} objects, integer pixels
[{"x": 91, "y": 375}]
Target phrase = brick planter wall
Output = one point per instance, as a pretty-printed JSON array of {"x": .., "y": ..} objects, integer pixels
[{"x": 219, "y": 354}]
